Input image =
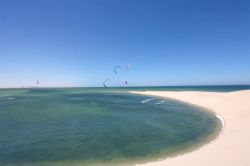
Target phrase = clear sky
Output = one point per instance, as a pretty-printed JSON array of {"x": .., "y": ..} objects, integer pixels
[{"x": 168, "y": 42}]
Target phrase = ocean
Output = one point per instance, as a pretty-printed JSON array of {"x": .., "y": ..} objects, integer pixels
[{"x": 99, "y": 126}]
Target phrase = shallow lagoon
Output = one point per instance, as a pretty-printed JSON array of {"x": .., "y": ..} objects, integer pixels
[{"x": 91, "y": 127}]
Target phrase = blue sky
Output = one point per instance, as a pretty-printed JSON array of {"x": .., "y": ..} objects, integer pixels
[{"x": 168, "y": 42}]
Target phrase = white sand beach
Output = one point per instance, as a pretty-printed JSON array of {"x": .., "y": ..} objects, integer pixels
[{"x": 232, "y": 147}]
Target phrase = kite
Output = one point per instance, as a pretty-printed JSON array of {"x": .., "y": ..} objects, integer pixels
[
  {"x": 116, "y": 69},
  {"x": 129, "y": 66},
  {"x": 104, "y": 83}
]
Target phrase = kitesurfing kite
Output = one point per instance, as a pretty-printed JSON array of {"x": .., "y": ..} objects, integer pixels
[
  {"x": 37, "y": 82},
  {"x": 128, "y": 66},
  {"x": 126, "y": 82},
  {"x": 104, "y": 83},
  {"x": 116, "y": 68}
]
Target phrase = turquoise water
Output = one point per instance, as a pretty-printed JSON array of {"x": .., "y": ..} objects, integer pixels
[{"x": 93, "y": 126}]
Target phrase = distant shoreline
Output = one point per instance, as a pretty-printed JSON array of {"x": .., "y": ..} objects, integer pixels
[
  {"x": 232, "y": 147},
  {"x": 207, "y": 88}
]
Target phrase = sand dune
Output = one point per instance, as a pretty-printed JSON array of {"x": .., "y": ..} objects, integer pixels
[{"x": 232, "y": 147}]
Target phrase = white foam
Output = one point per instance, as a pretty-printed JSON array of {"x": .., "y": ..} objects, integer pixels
[
  {"x": 159, "y": 102},
  {"x": 221, "y": 119},
  {"x": 146, "y": 101},
  {"x": 11, "y": 98}
]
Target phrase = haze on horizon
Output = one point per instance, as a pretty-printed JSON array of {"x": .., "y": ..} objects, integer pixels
[{"x": 77, "y": 43}]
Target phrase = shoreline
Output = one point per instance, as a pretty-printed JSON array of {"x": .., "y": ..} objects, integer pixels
[{"x": 231, "y": 146}]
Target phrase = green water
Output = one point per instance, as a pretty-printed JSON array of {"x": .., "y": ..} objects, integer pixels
[{"x": 96, "y": 127}]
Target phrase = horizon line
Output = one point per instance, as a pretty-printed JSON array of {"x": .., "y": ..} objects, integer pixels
[{"x": 44, "y": 87}]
